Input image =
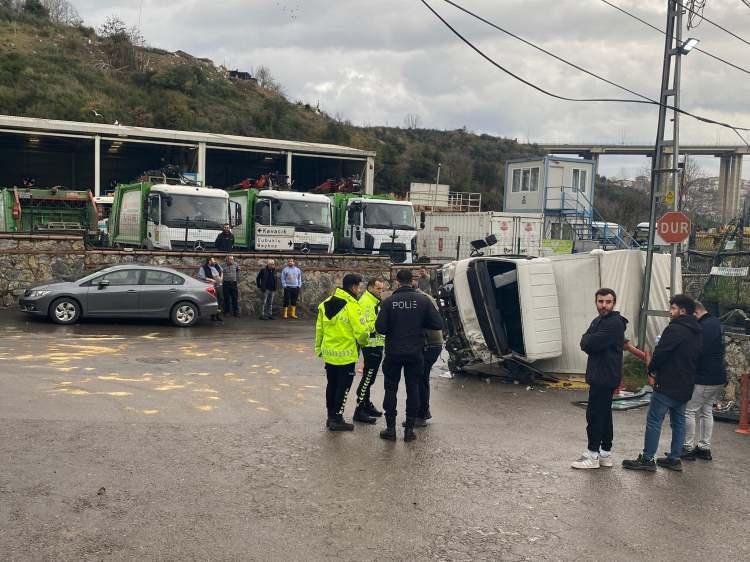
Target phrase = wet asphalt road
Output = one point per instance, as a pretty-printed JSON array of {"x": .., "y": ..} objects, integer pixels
[{"x": 145, "y": 442}]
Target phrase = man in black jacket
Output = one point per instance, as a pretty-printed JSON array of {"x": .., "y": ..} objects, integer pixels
[
  {"x": 266, "y": 282},
  {"x": 603, "y": 343},
  {"x": 709, "y": 387},
  {"x": 672, "y": 374},
  {"x": 225, "y": 239},
  {"x": 403, "y": 318}
]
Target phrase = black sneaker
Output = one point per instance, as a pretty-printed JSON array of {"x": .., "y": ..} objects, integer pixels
[
  {"x": 688, "y": 454},
  {"x": 340, "y": 425},
  {"x": 360, "y": 415},
  {"x": 703, "y": 454},
  {"x": 669, "y": 463},
  {"x": 641, "y": 463},
  {"x": 371, "y": 410}
]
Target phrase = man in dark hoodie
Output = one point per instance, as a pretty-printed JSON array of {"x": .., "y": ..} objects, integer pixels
[
  {"x": 672, "y": 374},
  {"x": 603, "y": 342},
  {"x": 709, "y": 387},
  {"x": 403, "y": 318}
]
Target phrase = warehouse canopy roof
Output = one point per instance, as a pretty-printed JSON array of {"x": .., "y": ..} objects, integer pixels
[{"x": 32, "y": 125}]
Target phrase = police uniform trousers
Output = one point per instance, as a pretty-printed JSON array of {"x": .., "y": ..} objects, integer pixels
[
  {"x": 339, "y": 379},
  {"x": 372, "y": 356},
  {"x": 413, "y": 367}
]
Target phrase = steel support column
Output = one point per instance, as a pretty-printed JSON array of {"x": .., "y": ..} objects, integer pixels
[
  {"x": 202, "y": 163},
  {"x": 97, "y": 166}
]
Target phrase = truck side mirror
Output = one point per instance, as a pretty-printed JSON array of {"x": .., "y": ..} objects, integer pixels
[{"x": 422, "y": 219}]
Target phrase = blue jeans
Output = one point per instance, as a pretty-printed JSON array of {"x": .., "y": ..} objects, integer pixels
[{"x": 657, "y": 410}]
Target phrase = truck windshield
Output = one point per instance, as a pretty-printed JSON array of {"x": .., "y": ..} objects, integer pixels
[
  {"x": 308, "y": 215},
  {"x": 194, "y": 211},
  {"x": 385, "y": 215}
]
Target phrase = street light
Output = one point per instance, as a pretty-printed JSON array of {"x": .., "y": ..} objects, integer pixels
[{"x": 688, "y": 46}]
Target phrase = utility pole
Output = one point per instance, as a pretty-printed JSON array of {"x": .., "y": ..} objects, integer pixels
[
  {"x": 437, "y": 183},
  {"x": 670, "y": 96}
]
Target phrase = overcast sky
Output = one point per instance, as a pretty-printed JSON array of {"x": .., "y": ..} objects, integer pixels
[{"x": 374, "y": 63}]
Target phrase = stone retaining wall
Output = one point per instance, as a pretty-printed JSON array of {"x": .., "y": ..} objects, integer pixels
[
  {"x": 26, "y": 260},
  {"x": 737, "y": 360}
]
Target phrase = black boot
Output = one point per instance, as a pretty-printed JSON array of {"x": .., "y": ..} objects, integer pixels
[
  {"x": 372, "y": 410},
  {"x": 389, "y": 433},
  {"x": 409, "y": 434},
  {"x": 361, "y": 415},
  {"x": 418, "y": 422},
  {"x": 338, "y": 424}
]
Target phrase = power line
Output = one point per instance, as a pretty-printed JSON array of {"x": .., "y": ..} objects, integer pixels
[
  {"x": 702, "y": 51},
  {"x": 549, "y": 53},
  {"x": 695, "y": 16},
  {"x": 719, "y": 26},
  {"x": 646, "y": 100}
]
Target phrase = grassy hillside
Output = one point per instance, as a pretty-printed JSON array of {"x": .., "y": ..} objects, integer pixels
[{"x": 69, "y": 72}]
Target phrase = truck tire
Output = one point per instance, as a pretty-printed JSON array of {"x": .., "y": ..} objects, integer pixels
[
  {"x": 65, "y": 311},
  {"x": 184, "y": 314}
]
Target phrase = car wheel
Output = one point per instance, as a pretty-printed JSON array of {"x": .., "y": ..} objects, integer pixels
[
  {"x": 184, "y": 314},
  {"x": 65, "y": 311}
]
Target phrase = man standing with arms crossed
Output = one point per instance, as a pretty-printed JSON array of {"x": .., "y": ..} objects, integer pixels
[
  {"x": 403, "y": 318},
  {"x": 372, "y": 353},
  {"x": 603, "y": 342},
  {"x": 339, "y": 330},
  {"x": 672, "y": 374},
  {"x": 709, "y": 387}
]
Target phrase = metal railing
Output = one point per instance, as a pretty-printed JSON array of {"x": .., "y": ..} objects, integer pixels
[{"x": 575, "y": 205}]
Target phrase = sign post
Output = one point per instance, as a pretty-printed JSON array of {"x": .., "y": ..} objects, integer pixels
[{"x": 674, "y": 228}]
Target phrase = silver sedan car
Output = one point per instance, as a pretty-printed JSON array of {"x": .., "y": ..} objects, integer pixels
[{"x": 124, "y": 291}]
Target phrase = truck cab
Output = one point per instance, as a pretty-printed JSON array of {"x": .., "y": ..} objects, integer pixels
[
  {"x": 291, "y": 221},
  {"x": 170, "y": 217},
  {"x": 376, "y": 225}
]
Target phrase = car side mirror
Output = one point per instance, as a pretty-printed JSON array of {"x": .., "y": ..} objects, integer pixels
[{"x": 103, "y": 283}]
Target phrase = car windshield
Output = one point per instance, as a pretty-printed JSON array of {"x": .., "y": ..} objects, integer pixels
[
  {"x": 388, "y": 215},
  {"x": 194, "y": 211},
  {"x": 311, "y": 214},
  {"x": 88, "y": 273}
]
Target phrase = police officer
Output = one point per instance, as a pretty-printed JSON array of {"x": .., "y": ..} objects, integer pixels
[
  {"x": 339, "y": 330},
  {"x": 403, "y": 318},
  {"x": 372, "y": 353}
]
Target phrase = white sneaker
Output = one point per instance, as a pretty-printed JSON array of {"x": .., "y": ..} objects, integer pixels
[
  {"x": 605, "y": 462},
  {"x": 586, "y": 462}
]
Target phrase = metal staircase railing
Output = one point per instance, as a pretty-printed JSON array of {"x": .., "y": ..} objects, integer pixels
[{"x": 579, "y": 214}]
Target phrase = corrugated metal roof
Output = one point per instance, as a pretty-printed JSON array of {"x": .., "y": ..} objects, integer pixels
[{"x": 225, "y": 141}]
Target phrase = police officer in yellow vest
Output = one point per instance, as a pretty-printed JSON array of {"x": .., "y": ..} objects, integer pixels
[
  {"x": 339, "y": 332},
  {"x": 372, "y": 353}
]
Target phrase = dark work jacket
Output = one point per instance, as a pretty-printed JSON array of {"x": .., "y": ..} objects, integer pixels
[
  {"x": 266, "y": 279},
  {"x": 711, "y": 369},
  {"x": 207, "y": 270},
  {"x": 224, "y": 242},
  {"x": 675, "y": 360},
  {"x": 603, "y": 343},
  {"x": 403, "y": 318}
]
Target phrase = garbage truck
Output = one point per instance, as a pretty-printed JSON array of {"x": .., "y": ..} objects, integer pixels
[
  {"x": 47, "y": 210},
  {"x": 375, "y": 224},
  {"x": 170, "y": 217},
  {"x": 283, "y": 221}
]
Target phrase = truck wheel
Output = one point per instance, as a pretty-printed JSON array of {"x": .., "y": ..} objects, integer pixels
[
  {"x": 184, "y": 314},
  {"x": 65, "y": 311}
]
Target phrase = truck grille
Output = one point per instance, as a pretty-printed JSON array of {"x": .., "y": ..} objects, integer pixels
[{"x": 397, "y": 252}]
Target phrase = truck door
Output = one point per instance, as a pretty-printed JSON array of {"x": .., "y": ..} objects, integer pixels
[
  {"x": 353, "y": 228},
  {"x": 153, "y": 222}
]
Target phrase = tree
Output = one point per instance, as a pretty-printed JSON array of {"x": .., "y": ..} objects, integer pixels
[
  {"x": 35, "y": 8},
  {"x": 267, "y": 81},
  {"x": 412, "y": 121},
  {"x": 62, "y": 11}
]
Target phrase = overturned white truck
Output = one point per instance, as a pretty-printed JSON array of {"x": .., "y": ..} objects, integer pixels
[{"x": 502, "y": 313}]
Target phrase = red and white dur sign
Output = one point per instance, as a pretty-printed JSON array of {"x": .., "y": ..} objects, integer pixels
[{"x": 673, "y": 227}]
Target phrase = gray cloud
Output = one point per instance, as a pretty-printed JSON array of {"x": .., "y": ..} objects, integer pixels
[{"x": 375, "y": 62}]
